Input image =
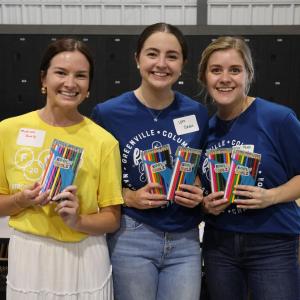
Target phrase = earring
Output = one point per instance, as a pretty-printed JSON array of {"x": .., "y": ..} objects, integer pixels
[
  {"x": 87, "y": 94},
  {"x": 137, "y": 66},
  {"x": 43, "y": 90}
]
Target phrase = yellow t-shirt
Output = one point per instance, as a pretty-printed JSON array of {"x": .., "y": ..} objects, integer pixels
[{"x": 25, "y": 143}]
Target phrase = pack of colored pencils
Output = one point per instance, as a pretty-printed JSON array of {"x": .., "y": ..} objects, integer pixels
[
  {"x": 61, "y": 167},
  {"x": 185, "y": 169},
  {"x": 158, "y": 167},
  {"x": 243, "y": 170},
  {"x": 219, "y": 165}
]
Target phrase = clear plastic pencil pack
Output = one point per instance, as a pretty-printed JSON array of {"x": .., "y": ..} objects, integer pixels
[
  {"x": 185, "y": 169},
  {"x": 61, "y": 167},
  {"x": 219, "y": 164},
  {"x": 158, "y": 167},
  {"x": 243, "y": 170}
]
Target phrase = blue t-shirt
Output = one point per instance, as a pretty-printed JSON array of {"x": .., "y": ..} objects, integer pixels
[
  {"x": 274, "y": 130},
  {"x": 133, "y": 125}
]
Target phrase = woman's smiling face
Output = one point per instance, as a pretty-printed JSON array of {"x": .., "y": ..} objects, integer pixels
[
  {"x": 226, "y": 77},
  {"x": 67, "y": 79},
  {"x": 160, "y": 60}
]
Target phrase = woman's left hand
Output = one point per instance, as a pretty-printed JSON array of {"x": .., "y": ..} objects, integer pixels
[
  {"x": 255, "y": 197},
  {"x": 68, "y": 206},
  {"x": 189, "y": 195}
]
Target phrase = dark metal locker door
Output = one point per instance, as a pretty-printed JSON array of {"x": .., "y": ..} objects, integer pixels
[
  {"x": 255, "y": 44},
  {"x": 23, "y": 89},
  {"x": 5, "y": 75},
  {"x": 196, "y": 45},
  {"x": 186, "y": 83},
  {"x": 96, "y": 45},
  {"x": 294, "y": 75},
  {"x": 119, "y": 63},
  {"x": 274, "y": 80}
]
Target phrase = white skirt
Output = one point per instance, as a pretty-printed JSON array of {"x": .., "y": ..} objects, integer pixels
[{"x": 41, "y": 268}]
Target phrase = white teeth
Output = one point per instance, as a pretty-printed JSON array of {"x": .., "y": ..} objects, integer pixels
[
  {"x": 69, "y": 94},
  {"x": 160, "y": 74},
  {"x": 224, "y": 89}
]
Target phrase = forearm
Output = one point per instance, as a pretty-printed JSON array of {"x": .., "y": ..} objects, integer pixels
[
  {"x": 106, "y": 221},
  {"x": 290, "y": 191},
  {"x": 9, "y": 205}
]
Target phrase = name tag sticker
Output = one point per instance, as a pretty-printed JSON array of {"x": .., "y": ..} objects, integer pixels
[
  {"x": 186, "y": 124},
  {"x": 247, "y": 148},
  {"x": 31, "y": 137}
]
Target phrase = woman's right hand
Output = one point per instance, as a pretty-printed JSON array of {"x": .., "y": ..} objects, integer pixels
[
  {"x": 144, "y": 198},
  {"x": 214, "y": 203},
  {"x": 31, "y": 196}
]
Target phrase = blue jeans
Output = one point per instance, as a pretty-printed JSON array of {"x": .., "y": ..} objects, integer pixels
[
  {"x": 265, "y": 266},
  {"x": 152, "y": 265}
]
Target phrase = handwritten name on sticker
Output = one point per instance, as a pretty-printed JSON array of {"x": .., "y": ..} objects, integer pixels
[
  {"x": 31, "y": 137},
  {"x": 186, "y": 124}
]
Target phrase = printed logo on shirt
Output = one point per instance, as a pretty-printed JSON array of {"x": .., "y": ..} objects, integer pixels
[
  {"x": 131, "y": 154},
  {"x": 31, "y": 166}
]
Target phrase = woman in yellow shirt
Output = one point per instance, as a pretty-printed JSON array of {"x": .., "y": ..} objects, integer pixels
[{"x": 58, "y": 248}]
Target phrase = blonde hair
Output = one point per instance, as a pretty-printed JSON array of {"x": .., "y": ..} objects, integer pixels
[{"x": 226, "y": 43}]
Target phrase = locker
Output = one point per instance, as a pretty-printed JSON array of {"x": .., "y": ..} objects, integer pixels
[
  {"x": 96, "y": 45},
  {"x": 22, "y": 100},
  {"x": 278, "y": 56},
  {"x": 115, "y": 86},
  {"x": 294, "y": 75},
  {"x": 119, "y": 56},
  {"x": 186, "y": 86}
]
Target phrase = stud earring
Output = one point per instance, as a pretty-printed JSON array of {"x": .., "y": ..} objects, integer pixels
[
  {"x": 43, "y": 90},
  {"x": 87, "y": 95},
  {"x": 137, "y": 66}
]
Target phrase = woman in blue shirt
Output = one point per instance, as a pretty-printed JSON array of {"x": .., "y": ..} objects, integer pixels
[
  {"x": 251, "y": 246},
  {"x": 156, "y": 253}
]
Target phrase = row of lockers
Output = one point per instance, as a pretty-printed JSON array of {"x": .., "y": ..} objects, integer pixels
[{"x": 276, "y": 58}]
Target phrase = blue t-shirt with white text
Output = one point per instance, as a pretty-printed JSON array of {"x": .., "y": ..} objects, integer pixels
[
  {"x": 274, "y": 131},
  {"x": 133, "y": 125}
]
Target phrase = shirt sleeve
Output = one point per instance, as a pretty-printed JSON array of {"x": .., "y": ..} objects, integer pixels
[
  {"x": 4, "y": 187},
  {"x": 95, "y": 115}
]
